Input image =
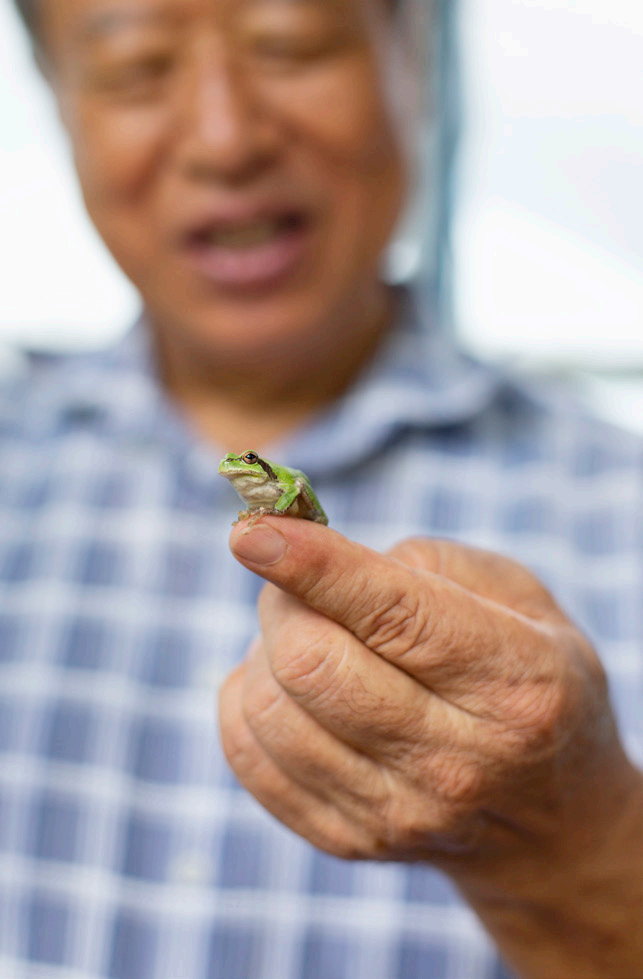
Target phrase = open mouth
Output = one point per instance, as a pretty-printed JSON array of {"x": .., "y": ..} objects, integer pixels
[
  {"x": 248, "y": 235},
  {"x": 255, "y": 253}
]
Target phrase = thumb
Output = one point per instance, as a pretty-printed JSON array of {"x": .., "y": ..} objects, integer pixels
[{"x": 345, "y": 581}]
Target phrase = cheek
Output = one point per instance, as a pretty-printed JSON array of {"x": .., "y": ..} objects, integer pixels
[
  {"x": 352, "y": 133},
  {"x": 117, "y": 154},
  {"x": 353, "y": 149}
]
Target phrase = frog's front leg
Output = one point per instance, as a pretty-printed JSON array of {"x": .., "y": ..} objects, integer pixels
[{"x": 286, "y": 499}]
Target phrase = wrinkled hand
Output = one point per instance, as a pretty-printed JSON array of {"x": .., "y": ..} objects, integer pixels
[
  {"x": 435, "y": 704},
  {"x": 430, "y": 704}
]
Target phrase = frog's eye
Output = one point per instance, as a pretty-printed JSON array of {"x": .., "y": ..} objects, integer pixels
[{"x": 250, "y": 458}]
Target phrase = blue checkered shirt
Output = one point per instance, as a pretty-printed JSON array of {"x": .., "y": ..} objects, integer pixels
[{"x": 127, "y": 848}]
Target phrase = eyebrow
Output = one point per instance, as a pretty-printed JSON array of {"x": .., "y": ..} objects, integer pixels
[{"x": 104, "y": 23}]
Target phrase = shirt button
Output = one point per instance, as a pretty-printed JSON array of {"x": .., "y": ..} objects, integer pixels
[{"x": 191, "y": 868}]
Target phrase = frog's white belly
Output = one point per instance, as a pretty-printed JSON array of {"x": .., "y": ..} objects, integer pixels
[{"x": 260, "y": 492}]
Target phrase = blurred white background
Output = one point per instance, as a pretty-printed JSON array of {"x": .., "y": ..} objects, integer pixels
[
  {"x": 58, "y": 285},
  {"x": 548, "y": 231}
]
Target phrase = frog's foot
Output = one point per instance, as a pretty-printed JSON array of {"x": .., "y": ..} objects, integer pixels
[{"x": 254, "y": 514}]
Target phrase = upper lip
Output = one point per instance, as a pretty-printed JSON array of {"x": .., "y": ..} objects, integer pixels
[{"x": 230, "y": 215}]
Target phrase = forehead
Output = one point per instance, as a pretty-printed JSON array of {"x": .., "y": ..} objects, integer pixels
[
  {"x": 101, "y": 18},
  {"x": 107, "y": 16}
]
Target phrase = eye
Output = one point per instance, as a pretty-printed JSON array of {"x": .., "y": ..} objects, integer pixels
[
  {"x": 250, "y": 458},
  {"x": 137, "y": 78}
]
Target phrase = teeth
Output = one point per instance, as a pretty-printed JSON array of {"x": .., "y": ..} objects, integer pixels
[{"x": 252, "y": 234}]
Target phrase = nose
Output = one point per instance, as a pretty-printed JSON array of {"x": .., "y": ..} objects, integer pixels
[{"x": 226, "y": 129}]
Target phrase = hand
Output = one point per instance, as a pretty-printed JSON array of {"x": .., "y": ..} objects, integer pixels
[
  {"x": 430, "y": 704},
  {"x": 424, "y": 703}
]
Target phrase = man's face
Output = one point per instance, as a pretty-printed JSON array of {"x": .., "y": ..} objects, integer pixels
[{"x": 237, "y": 156}]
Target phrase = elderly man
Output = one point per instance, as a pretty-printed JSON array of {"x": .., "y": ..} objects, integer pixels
[{"x": 424, "y": 710}]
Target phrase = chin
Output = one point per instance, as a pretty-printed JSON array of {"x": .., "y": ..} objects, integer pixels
[
  {"x": 292, "y": 322},
  {"x": 251, "y": 333}
]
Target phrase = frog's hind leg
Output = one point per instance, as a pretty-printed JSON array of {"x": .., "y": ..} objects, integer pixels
[{"x": 312, "y": 504}]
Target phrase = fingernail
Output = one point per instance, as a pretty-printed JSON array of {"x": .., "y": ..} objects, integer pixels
[{"x": 261, "y": 545}]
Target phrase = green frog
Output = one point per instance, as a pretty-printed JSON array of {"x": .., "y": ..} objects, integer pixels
[{"x": 271, "y": 489}]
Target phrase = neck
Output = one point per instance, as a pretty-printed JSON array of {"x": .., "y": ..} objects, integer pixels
[{"x": 252, "y": 400}]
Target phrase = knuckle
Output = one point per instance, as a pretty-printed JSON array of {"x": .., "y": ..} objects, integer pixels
[
  {"x": 239, "y": 747},
  {"x": 460, "y": 784},
  {"x": 542, "y": 717},
  {"x": 399, "y": 815},
  {"x": 420, "y": 820},
  {"x": 551, "y": 705},
  {"x": 408, "y": 826},
  {"x": 397, "y": 625},
  {"x": 346, "y": 843},
  {"x": 261, "y": 701},
  {"x": 314, "y": 670},
  {"x": 347, "y": 846},
  {"x": 410, "y": 740}
]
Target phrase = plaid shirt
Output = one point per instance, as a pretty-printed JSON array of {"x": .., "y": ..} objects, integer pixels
[{"x": 127, "y": 848}]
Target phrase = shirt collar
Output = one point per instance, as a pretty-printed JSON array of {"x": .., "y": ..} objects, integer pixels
[{"x": 418, "y": 379}]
